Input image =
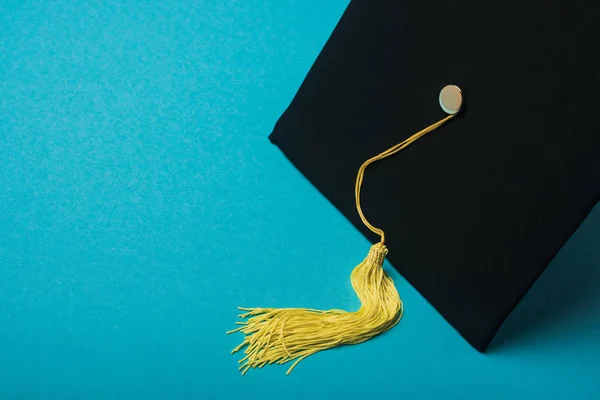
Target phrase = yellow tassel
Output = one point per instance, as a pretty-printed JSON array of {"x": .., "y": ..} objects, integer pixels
[{"x": 281, "y": 335}]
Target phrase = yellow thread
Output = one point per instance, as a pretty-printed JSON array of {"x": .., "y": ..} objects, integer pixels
[
  {"x": 302, "y": 332},
  {"x": 389, "y": 152}
]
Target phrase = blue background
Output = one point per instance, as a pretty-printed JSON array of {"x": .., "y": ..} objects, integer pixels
[{"x": 141, "y": 202}]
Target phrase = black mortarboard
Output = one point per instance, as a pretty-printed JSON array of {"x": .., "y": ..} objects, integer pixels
[{"x": 475, "y": 211}]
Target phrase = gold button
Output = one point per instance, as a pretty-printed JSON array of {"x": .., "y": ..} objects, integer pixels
[{"x": 451, "y": 99}]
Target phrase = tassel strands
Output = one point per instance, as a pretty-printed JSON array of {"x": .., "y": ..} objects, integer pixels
[{"x": 280, "y": 335}]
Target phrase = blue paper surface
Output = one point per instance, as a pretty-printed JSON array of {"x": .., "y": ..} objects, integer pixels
[{"x": 141, "y": 202}]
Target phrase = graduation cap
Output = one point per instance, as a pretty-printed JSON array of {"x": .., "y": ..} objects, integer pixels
[{"x": 472, "y": 213}]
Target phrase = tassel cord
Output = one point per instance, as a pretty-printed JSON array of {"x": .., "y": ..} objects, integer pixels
[{"x": 385, "y": 154}]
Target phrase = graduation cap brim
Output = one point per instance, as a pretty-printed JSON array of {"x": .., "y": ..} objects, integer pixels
[{"x": 475, "y": 211}]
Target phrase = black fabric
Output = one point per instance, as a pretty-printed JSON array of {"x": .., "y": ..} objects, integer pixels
[{"x": 474, "y": 211}]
